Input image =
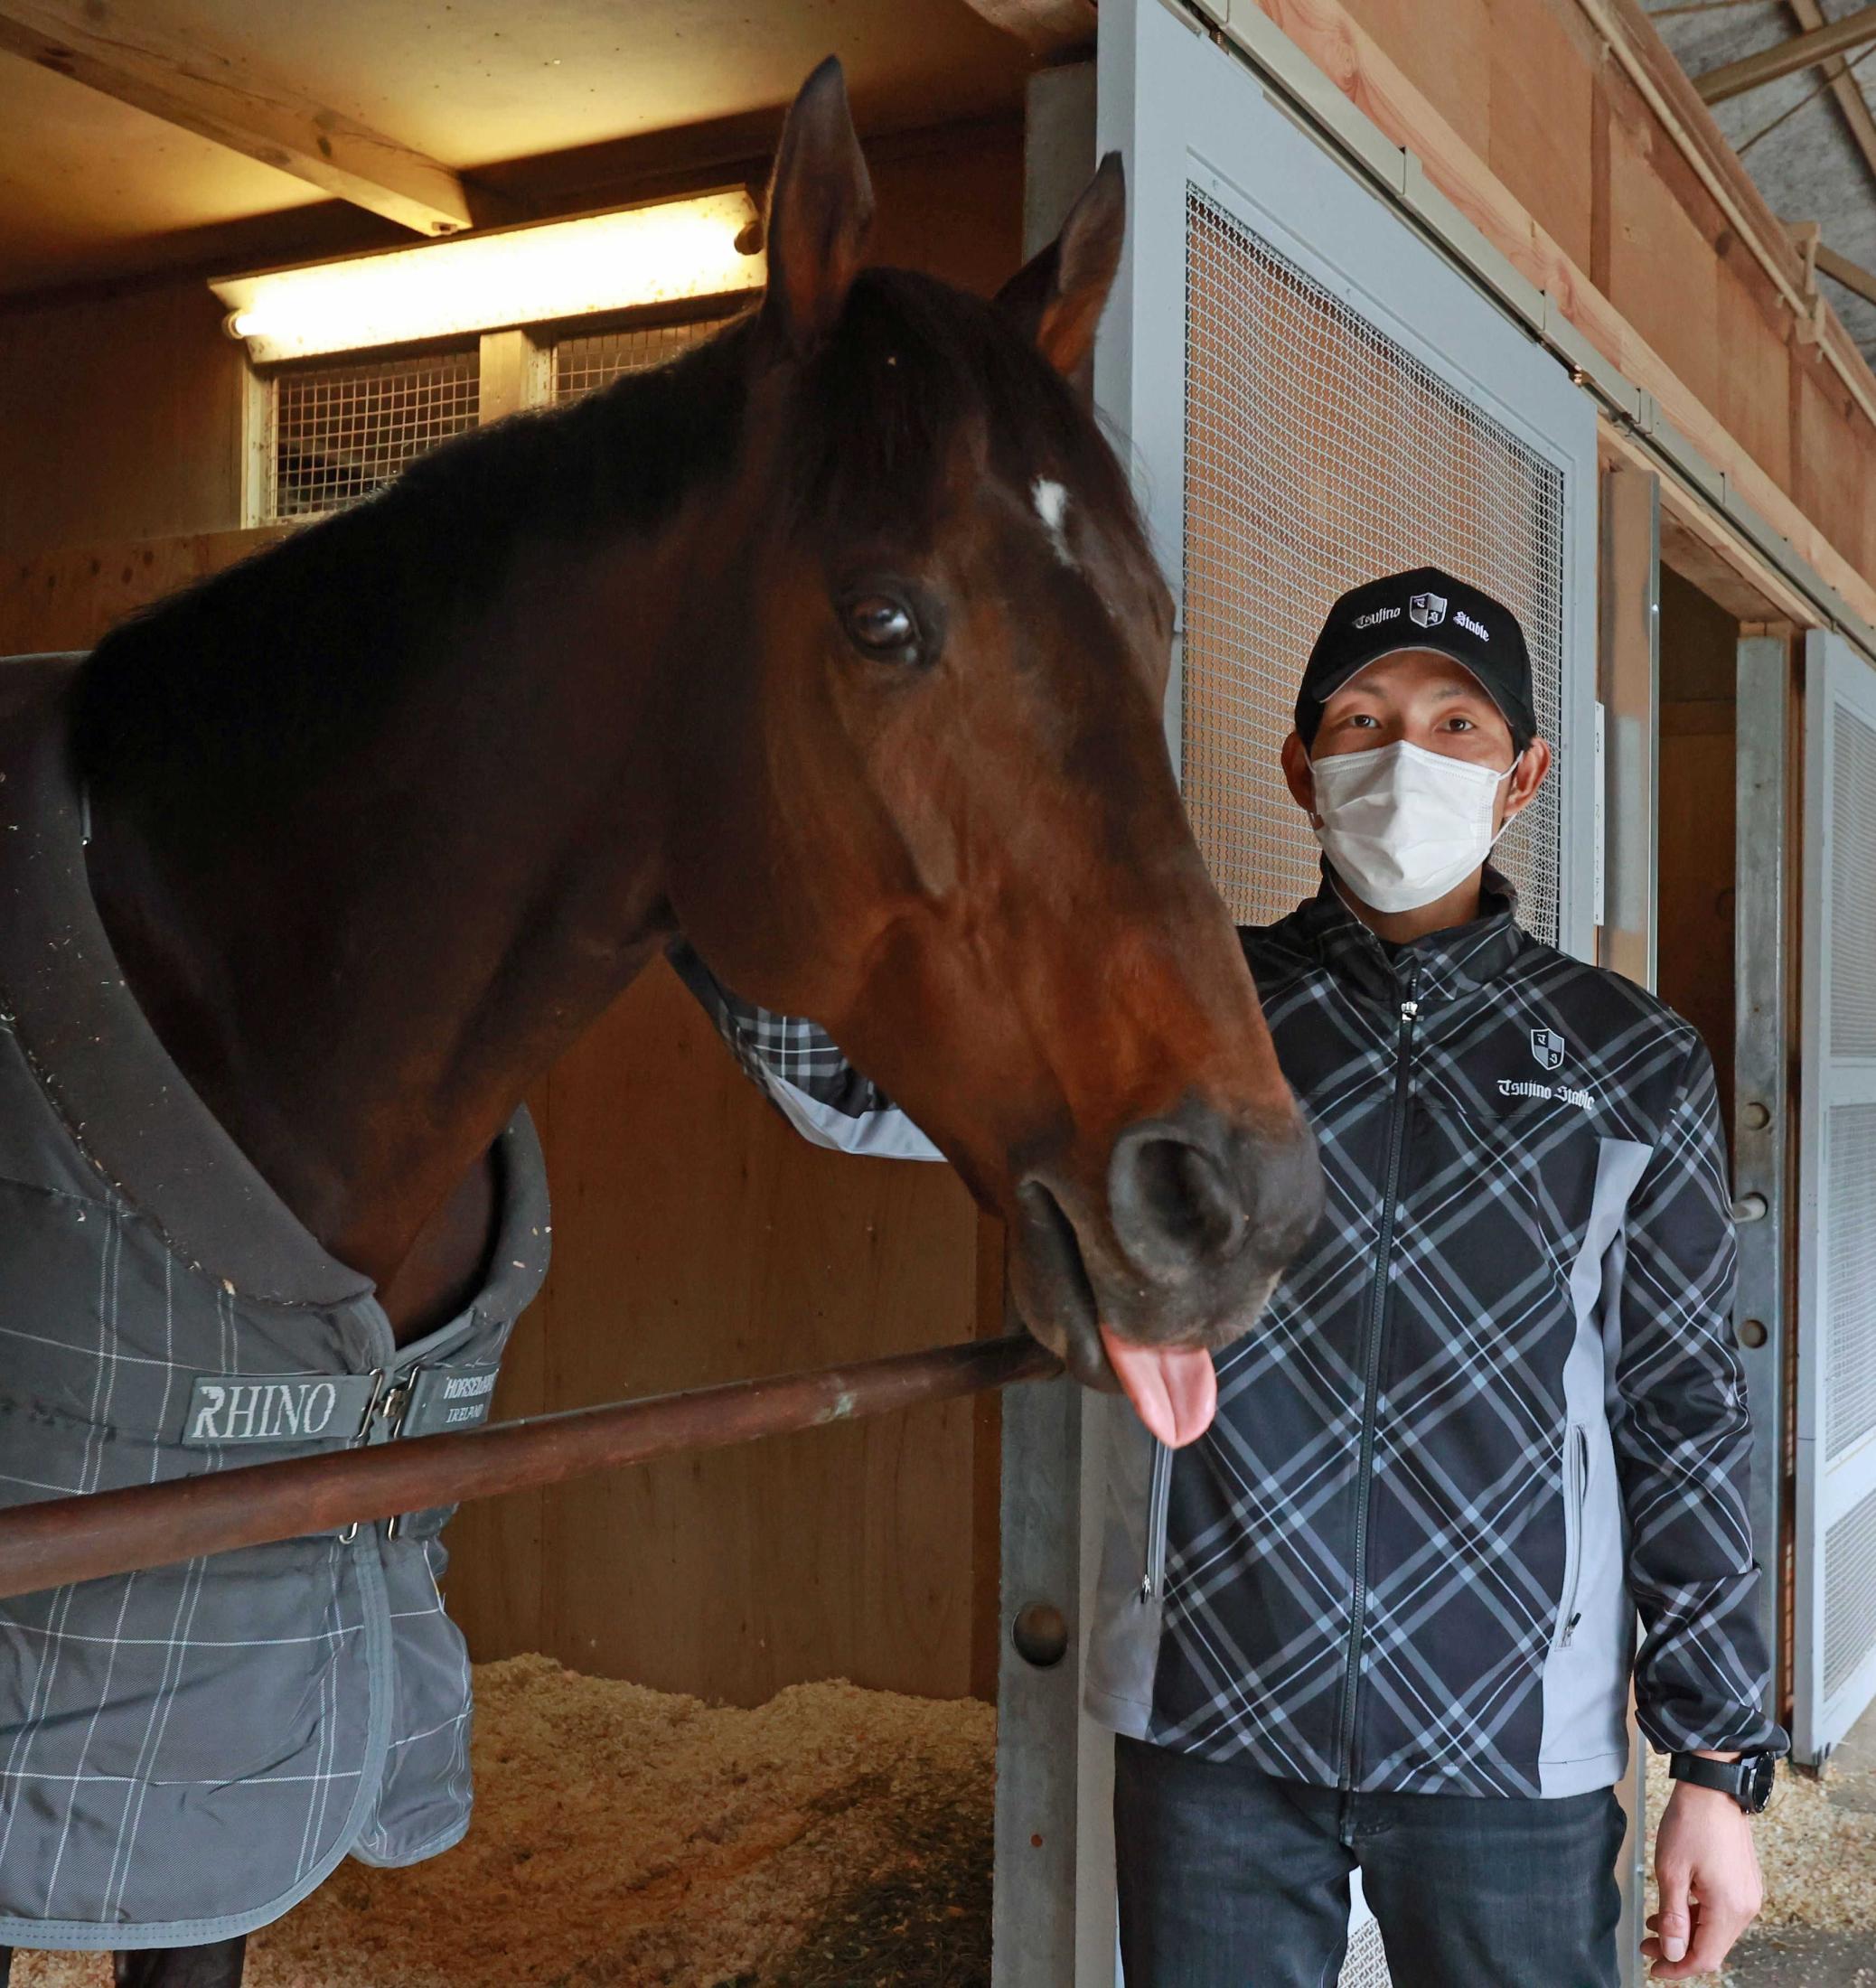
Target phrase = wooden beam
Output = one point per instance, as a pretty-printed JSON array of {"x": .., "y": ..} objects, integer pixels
[
  {"x": 1852, "y": 275},
  {"x": 1787, "y": 57},
  {"x": 123, "y": 54},
  {"x": 1046, "y": 26},
  {"x": 1845, "y": 88}
]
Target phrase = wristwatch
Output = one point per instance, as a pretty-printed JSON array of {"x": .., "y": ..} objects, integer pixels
[{"x": 1749, "y": 1779}]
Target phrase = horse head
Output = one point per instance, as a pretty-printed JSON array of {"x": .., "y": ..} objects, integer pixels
[{"x": 936, "y": 720}]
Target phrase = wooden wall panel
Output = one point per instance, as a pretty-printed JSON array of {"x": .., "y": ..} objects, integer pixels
[
  {"x": 1831, "y": 466},
  {"x": 1664, "y": 277},
  {"x": 1755, "y": 366},
  {"x": 697, "y": 1239},
  {"x": 1446, "y": 52},
  {"x": 120, "y": 418},
  {"x": 1541, "y": 109},
  {"x": 66, "y": 600},
  {"x": 1698, "y": 667}
]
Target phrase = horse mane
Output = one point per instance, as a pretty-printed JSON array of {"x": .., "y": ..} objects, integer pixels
[
  {"x": 911, "y": 363},
  {"x": 287, "y": 657},
  {"x": 308, "y": 639}
]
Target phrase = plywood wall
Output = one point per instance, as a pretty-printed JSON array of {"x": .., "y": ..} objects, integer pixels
[
  {"x": 1529, "y": 88},
  {"x": 696, "y": 1238},
  {"x": 120, "y": 418}
]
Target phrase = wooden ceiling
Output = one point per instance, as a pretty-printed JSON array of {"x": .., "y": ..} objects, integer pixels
[{"x": 94, "y": 186}]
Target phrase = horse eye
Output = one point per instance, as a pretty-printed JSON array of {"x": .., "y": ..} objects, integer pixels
[{"x": 882, "y": 626}]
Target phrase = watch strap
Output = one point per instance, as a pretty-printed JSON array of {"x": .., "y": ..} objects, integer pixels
[{"x": 1740, "y": 1778}]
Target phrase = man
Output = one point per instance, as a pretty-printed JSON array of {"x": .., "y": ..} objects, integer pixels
[{"x": 1380, "y": 1617}]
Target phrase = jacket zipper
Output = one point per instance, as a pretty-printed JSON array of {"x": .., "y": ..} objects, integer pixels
[
  {"x": 1378, "y": 1319},
  {"x": 1159, "y": 1496},
  {"x": 1576, "y": 1491}
]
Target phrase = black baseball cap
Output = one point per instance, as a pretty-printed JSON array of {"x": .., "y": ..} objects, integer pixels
[{"x": 1423, "y": 609}]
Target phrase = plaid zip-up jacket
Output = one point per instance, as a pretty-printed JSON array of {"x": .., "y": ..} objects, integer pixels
[{"x": 1493, "y": 1411}]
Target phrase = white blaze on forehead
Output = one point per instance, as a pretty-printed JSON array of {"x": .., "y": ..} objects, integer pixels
[{"x": 1051, "y": 500}]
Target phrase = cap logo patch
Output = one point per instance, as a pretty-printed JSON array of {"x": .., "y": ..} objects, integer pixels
[
  {"x": 1428, "y": 610},
  {"x": 1380, "y": 615},
  {"x": 1461, "y": 618}
]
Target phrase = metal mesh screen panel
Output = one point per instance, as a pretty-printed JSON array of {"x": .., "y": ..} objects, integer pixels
[
  {"x": 1853, "y": 902},
  {"x": 1849, "y": 1277},
  {"x": 1319, "y": 453},
  {"x": 337, "y": 433},
  {"x": 1849, "y": 1594},
  {"x": 594, "y": 360},
  {"x": 1366, "y": 1964}
]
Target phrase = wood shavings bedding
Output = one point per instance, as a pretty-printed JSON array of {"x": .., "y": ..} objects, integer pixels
[{"x": 626, "y": 1837}]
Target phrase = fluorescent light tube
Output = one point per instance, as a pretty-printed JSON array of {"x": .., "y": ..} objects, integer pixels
[{"x": 658, "y": 254}]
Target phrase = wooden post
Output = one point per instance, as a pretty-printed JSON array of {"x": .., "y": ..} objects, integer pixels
[
  {"x": 1627, "y": 681},
  {"x": 514, "y": 370}
]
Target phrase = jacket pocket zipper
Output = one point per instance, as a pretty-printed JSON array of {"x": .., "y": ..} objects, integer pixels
[
  {"x": 1158, "y": 1496},
  {"x": 1576, "y": 1492}
]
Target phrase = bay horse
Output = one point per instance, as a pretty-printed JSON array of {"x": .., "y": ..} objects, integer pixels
[{"x": 835, "y": 646}]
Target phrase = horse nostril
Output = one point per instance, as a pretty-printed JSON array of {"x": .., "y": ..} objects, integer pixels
[{"x": 1176, "y": 1206}]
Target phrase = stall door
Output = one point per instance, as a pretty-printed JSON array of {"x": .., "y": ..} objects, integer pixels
[
  {"x": 1310, "y": 396},
  {"x": 1835, "y": 1626}
]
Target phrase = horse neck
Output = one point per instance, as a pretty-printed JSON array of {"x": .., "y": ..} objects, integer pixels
[{"x": 362, "y": 958}]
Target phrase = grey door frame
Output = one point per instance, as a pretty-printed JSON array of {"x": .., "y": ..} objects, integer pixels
[
  {"x": 1053, "y": 1867},
  {"x": 1826, "y": 1489}
]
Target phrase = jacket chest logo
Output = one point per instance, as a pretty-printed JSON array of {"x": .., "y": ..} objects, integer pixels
[{"x": 1547, "y": 1047}]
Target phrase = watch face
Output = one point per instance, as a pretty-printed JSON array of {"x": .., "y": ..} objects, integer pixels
[{"x": 1755, "y": 1782}]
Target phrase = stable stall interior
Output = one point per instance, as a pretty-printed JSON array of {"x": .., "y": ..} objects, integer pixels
[{"x": 734, "y": 1703}]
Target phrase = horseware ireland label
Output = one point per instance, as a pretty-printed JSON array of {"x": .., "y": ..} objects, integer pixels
[{"x": 449, "y": 1397}]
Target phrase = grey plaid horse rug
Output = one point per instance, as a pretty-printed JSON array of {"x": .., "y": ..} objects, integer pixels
[{"x": 186, "y": 1752}]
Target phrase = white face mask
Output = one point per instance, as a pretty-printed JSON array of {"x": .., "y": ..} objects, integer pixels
[{"x": 1403, "y": 826}]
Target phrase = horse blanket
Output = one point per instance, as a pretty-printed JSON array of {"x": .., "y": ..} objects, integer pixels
[{"x": 186, "y": 1752}]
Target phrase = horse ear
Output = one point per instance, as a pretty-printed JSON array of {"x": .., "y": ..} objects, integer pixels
[
  {"x": 819, "y": 211},
  {"x": 1057, "y": 297}
]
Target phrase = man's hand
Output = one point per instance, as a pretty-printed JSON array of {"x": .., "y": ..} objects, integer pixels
[{"x": 1711, "y": 1890}]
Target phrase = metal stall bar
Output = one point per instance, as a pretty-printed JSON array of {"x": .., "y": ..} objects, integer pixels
[
  {"x": 72, "y": 1539},
  {"x": 1629, "y": 694},
  {"x": 1760, "y": 1120},
  {"x": 1040, "y": 1851}
]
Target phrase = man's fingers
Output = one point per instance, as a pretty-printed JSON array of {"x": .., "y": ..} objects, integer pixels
[
  {"x": 1673, "y": 1922},
  {"x": 1718, "y": 1924}
]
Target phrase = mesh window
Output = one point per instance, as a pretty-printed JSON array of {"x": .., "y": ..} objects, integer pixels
[
  {"x": 1319, "y": 453},
  {"x": 582, "y": 365},
  {"x": 1849, "y": 1277},
  {"x": 1850, "y": 1594},
  {"x": 1366, "y": 1964},
  {"x": 1853, "y": 903},
  {"x": 337, "y": 433}
]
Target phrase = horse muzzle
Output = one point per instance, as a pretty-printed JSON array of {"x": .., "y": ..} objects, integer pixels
[{"x": 1169, "y": 1255}]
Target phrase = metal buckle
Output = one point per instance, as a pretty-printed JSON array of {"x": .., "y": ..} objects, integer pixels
[
  {"x": 394, "y": 1409},
  {"x": 396, "y": 1404},
  {"x": 364, "y": 1426}
]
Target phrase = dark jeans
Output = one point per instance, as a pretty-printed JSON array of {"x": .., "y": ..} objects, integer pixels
[{"x": 1229, "y": 1879}]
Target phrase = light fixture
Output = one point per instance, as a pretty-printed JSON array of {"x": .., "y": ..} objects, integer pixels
[{"x": 658, "y": 254}]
